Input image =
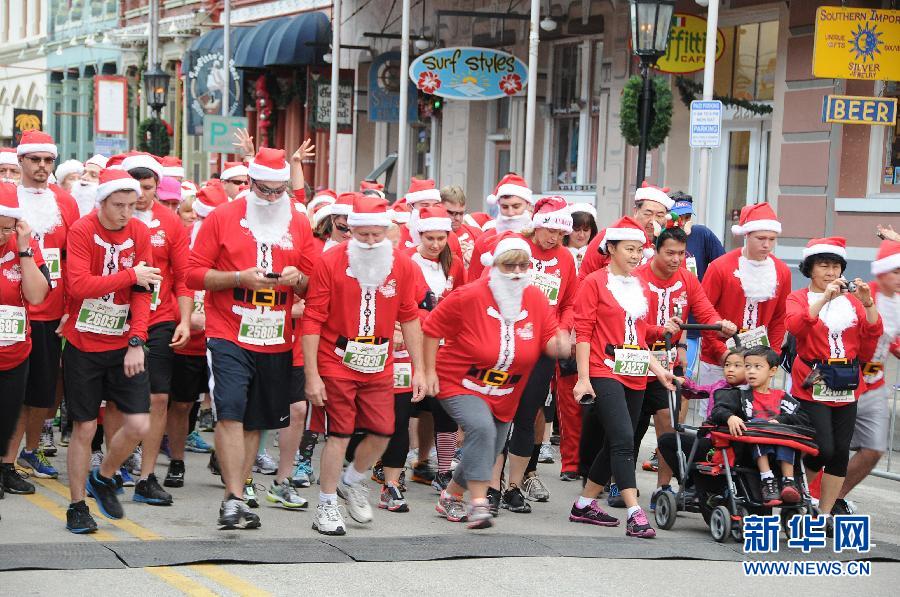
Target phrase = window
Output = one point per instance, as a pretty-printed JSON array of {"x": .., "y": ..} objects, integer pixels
[
  {"x": 890, "y": 162},
  {"x": 746, "y": 69}
]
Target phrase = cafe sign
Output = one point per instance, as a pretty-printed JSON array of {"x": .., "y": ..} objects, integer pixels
[
  {"x": 469, "y": 73},
  {"x": 857, "y": 43},
  {"x": 687, "y": 45}
]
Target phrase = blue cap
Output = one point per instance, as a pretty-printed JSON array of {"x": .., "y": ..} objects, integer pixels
[{"x": 683, "y": 207}]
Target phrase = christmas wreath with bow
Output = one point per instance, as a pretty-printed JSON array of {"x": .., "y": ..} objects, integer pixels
[
  {"x": 660, "y": 111},
  {"x": 153, "y": 137}
]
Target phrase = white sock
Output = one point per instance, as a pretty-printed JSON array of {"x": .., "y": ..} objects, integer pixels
[
  {"x": 583, "y": 502},
  {"x": 766, "y": 475},
  {"x": 327, "y": 498},
  {"x": 352, "y": 476},
  {"x": 633, "y": 510}
]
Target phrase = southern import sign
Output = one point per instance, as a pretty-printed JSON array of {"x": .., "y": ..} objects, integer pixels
[
  {"x": 846, "y": 109},
  {"x": 218, "y": 132},
  {"x": 857, "y": 43},
  {"x": 706, "y": 123},
  {"x": 469, "y": 73},
  {"x": 687, "y": 45}
]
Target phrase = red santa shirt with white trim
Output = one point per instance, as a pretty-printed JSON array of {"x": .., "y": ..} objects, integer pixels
[
  {"x": 196, "y": 346},
  {"x": 170, "y": 254},
  {"x": 484, "y": 355},
  {"x": 100, "y": 268},
  {"x": 682, "y": 290},
  {"x": 13, "y": 352},
  {"x": 889, "y": 309},
  {"x": 339, "y": 310},
  {"x": 225, "y": 243},
  {"x": 555, "y": 275}
]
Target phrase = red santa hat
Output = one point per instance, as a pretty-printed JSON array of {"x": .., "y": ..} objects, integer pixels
[
  {"x": 422, "y": 190},
  {"x": 115, "y": 180},
  {"x": 648, "y": 192},
  {"x": 400, "y": 212},
  {"x": 233, "y": 170},
  {"x": 269, "y": 165},
  {"x": 115, "y": 161},
  {"x": 9, "y": 201},
  {"x": 320, "y": 198},
  {"x": 832, "y": 245},
  {"x": 35, "y": 142},
  {"x": 509, "y": 241},
  {"x": 319, "y": 212},
  {"x": 477, "y": 219},
  {"x": 140, "y": 159},
  {"x": 97, "y": 160},
  {"x": 372, "y": 187},
  {"x": 757, "y": 217},
  {"x": 208, "y": 198},
  {"x": 553, "y": 213},
  {"x": 625, "y": 229},
  {"x": 8, "y": 157},
  {"x": 172, "y": 166},
  {"x": 368, "y": 211},
  {"x": 69, "y": 167},
  {"x": 511, "y": 185},
  {"x": 888, "y": 257},
  {"x": 434, "y": 218},
  {"x": 188, "y": 188},
  {"x": 585, "y": 208},
  {"x": 344, "y": 204}
]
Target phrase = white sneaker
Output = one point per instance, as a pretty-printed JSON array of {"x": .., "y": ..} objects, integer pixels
[
  {"x": 546, "y": 455},
  {"x": 328, "y": 520},
  {"x": 96, "y": 459},
  {"x": 265, "y": 464},
  {"x": 357, "y": 498}
]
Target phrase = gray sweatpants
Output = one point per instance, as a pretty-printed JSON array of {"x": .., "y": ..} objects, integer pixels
[{"x": 485, "y": 437}]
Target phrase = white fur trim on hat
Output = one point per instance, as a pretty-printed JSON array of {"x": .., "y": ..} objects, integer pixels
[
  {"x": 654, "y": 194},
  {"x": 9, "y": 158},
  {"x": 756, "y": 226},
  {"x": 257, "y": 171},
  {"x": 97, "y": 160},
  {"x": 368, "y": 219},
  {"x": 27, "y": 148},
  {"x": 11, "y": 212},
  {"x": 143, "y": 161},
  {"x": 234, "y": 172},
  {"x": 340, "y": 209},
  {"x": 434, "y": 224},
  {"x": 69, "y": 167},
  {"x": 489, "y": 225},
  {"x": 586, "y": 208},
  {"x": 423, "y": 195},
  {"x": 888, "y": 264},
  {"x": 119, "y": 184},
  {"x": 320, "y": 214},
  {"x": 515, "y": 191},
  {"x": 622, "y": 234},
  {"x": 173, "y": 171},
  {"x": 824, "y": 248},
  {"x": 201, "y": 209},
  {"x": 553, "y": 220},
  {"x": 510, "y": 243},
  {"x": 318, "y": 200}
]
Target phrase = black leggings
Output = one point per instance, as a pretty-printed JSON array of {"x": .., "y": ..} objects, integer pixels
[
  {"x": 834, "y": 430},
  {"x": 534, "y": 396},
  {"x": 617, "y": 409},
  {"x": 13, "y": 383},
  {"x": 395, "y": 454}
]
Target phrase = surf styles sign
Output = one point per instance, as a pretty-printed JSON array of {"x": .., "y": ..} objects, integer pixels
[{"x": 469, "y": 73}]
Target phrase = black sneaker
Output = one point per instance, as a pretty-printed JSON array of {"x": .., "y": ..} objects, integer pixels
[
  {"x": 841, "y": 507},
  {"x": 441, "y": 481},
  {"x": 592, "y": 514},
  {"x": 13, "y": 481},
  {"x": 213, "y": 465},
  {"x": 378, "y": 473},
  {"x": 234, "y": 514},
  {"x": 104, "y": 491},
  {"x": 422, "y": 473},
  {"x": 148, "y": 491},
  {"x": 514, "y": 500},
  {"x": 79, "y": 519},
  {"x": 494, "y": 498},
  {"x": 770, "y": 494},
  {"x": 569, "y": 476},
  {"x": 175, "y": 475}
]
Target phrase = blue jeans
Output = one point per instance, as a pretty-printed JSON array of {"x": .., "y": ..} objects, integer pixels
[{"x": 782, "y": 453}]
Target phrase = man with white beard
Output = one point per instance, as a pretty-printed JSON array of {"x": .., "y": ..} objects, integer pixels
[
  {"x": 356, "y": 294},
  {"x": 68, "y": 173},
  {"x": 85, "y": 189},
  {"x": 516, "y": 205},
  {"x": 248, "y": 256},
  {"x": 51, "y": 212}
]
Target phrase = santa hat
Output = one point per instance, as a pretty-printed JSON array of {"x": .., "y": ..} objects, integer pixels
[
  {"x": 489, "y": 225},
  {"x": 140, "y": 159},
  {"x": 368, "y": 211},
  {"x": 369, "y": 187},
  {"x": 511, "y": 185},
  {"x": 188, "y": 187},
  {"x": 400, "y": 212},
  {"x": 208, "y": 198},
  {"x": 509, "y": 241},
  {"x": 888, "y": 257},
  {"x": 434, "y": 218},
  {"x": 321, "y": 197},
  {"x": 625, "y": 229},
  {"x": 169, "y": 189},
  {"x": 36, "y": 141},
  {"x": 172, "y": 166},
  {"x": 344, "y": 204},
  {"x": 319, "y": 213},
  {"x": 553, "y": 213},
  {"x": 269, "y": 165},
  {"x": 477, "y": 219},
  {"x": 755, "y": 218},
  {"x": 115, "y": 161},
  {"x": 233, "y": 170},
  {"x": 585, "y": 208},
  {"x": 115, "y": 180},
  {"x": 97, "y": 160},
  {"x": 69, "y": 167},
  {"x": 422, "y": 190},
  {"x": 648, "y": 192},
  {"x": 833, "y": 245},
  {"x": 8, "y": 157},
  {"x": 9, "y": 201}
]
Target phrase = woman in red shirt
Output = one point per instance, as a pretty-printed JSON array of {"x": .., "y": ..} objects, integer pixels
[
  {"x": 494, "y": 330},
  {"x": 613, "y": 361},
  {"x": 835, "y": 330}
]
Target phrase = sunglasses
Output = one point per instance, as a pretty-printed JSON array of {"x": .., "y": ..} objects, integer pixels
[
  {"x": 343, "y": 229},
  {"x": 269, "y": 192},
  {"x": 237, "y": 182},
  {"x": 456, "y": 214},
  {"x": 513, "y": 267},
  {"x": 36, "y": 160},
  {"x": 7, "y": 230}
]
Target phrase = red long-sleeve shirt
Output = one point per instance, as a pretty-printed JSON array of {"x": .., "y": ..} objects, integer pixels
[
  {"x": 12, "y": 352},
  {"x": 483, "y": 244},
  {"x": 682, "y": 289},
  {"x": 170, "y": 254},
  {"x": 556, "y": 263}
]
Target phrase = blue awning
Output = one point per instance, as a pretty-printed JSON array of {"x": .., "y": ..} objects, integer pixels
[
  {"x": 283, "y": 42},
  {"x": 214, "y": 41}
]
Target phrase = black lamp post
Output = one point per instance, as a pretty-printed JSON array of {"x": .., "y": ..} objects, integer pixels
[
  {"x": 156, "y": 88},
  {"x": 651, "y": 21}
]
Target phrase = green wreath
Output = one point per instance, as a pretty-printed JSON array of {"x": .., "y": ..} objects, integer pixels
[
  {"x": 660, "y": 111},
  {"x": 153, "y": 137}
]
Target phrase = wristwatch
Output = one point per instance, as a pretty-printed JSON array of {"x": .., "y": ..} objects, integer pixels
[
  {"x": 134, "y": 342},
  {"x": 29, "y": 252}
]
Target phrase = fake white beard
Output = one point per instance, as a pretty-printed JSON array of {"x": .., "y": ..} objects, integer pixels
[
  {"x": 268, "y": 221},
  {"x": 508, "y": 290},
  {"x": 889, "y": 308},
  {"x": 40, "y": 209},
  {"x": 758, "y": 278},
  {"x": 414, "y": 236},
  {"x": 370, "y": 264},
  {"x": 838, "y": 314},
  {"x": 513, "y": 223},
  {"x": 433, "y": 273},
  {"x": 85, "y": 194},
  {"x": 629, "y": 294}
]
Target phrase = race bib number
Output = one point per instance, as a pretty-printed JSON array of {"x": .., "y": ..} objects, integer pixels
[
  {"x": 691, "y": 264},
  {"x": 548, "y": 284},
  {"x": 757, "y": 336},
  {"x": 262, "y": 329},
  {"x": 154, "y": 296},
  {"x": 12, "y": 323},
  {"x": 823, "y": 393},
  {"x": 52, "y": 259},
  {"x": 402, "y": 375},
  {"x": 366, "y": 358},
  {"x": 199, "y": 295},
  {"x": 666, "y": 359},
  {"x": 632, "y": 362},
  {"x": 101, "y": 317}
]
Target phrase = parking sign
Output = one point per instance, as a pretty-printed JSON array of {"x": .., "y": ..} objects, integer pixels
[
  {"x": 218, "y": 132},
  {"x": 706, "y": 123}
]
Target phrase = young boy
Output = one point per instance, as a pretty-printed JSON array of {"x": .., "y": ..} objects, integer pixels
[{"x": 761, "y": 403}]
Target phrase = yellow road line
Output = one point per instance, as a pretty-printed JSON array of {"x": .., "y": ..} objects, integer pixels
[
  {"x": 229, "y": 580},
  {"x": 186, "y": 585},
  {"x": 59, "y": 513}
]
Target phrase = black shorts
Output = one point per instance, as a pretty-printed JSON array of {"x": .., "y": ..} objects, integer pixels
[
  {"x": 656, "y": 397},
  {"x": 298, "y": 385},
  {"x": 92, "y": 377},
  {"x": 46, "y": 348},
  {"x": 190, "y": 378},
  {"x": 251, "y": 387},
  {"x": 161, "y": 357},
  {"x": 12, "y": 382}
]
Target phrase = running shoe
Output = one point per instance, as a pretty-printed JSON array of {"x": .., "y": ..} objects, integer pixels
[
  {"x": 249, "y": 496},
  {"x": 378, "y": 473},
  {"x": 164, "y": 447},
  {"x": 357, "y": 498},
  {"x": 392, "y": 499},
  {"x": 175, "y": 474},
  {"x": 401, "y": 484},
  {"x": 265, "y": 464},
  {"x": 127, "y": 479},
  {"x": 554, "y": 439},
  {"x": 535, "y": 490},
  {"x": 790, "y": 493},
  {"x": 213, "y": 464},
  {"x": 133, "y": 463},
  {"x": 479, "y": 517},
  {"x": 104, "y": 492},
  {"x": 328, "y": 520},
  {"x": 494, "y": 498},
  {"x": 422, "y": 472},
  {"x": 639, "y": 526},
  {"x": 652, "y": 464},
  {"x": 656, "y": 493},
  {"x": 205, "y": 420},
  {"x": 841, "y": 507},
  {"x": 851, "y": 506},
  {"x": 234, "y": 514},
  {"x": 514, "y": 500},
  {"x": 592, "y": 514},
  {"x": 13, "y": 481},
  {"x": 195, "y": 443},
  {"x": 546, "y": 455},
  {"x": 569, "y": 476},
  {"x": 441, "y": 480},
  {"x": 275, "y": 440},
  {"x": 46, "y": 443},
  {"x": 79, "y": 519},
  {"x": 96, "y": 459},
  {"x": 300, "y": 478},
  {"x": 284, "y": 493},
  {"x": 148, "y": 491},
  {"x": 770, "y": 494},
  {"x": 36, "y": 462},
  {"x": 615, "y": 499},
  {"x": 451, "y": 507},
  {"x": 64, "y": 436}
]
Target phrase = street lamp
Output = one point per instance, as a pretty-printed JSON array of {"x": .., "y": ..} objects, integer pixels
[
  {"x": 156, "y": 88},
  {"x": 651, "y": 21}
]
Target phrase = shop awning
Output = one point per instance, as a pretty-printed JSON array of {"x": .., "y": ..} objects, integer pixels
[
  {"x": 284, "y": 42},
  {"x": 213, "y": 41}
]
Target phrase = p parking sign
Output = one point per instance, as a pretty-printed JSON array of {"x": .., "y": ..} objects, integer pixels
[{"x": 218, "y": 132}]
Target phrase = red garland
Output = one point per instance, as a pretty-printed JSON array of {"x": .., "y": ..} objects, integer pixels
[{"x": 263, "y": 111}]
